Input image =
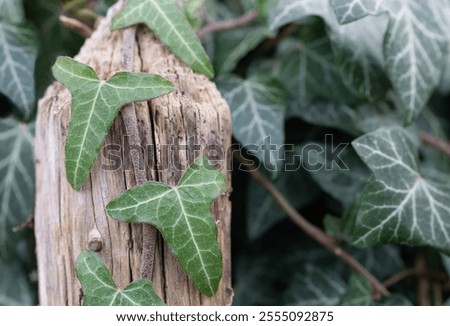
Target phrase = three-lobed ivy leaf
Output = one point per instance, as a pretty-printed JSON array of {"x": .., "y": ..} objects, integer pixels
[
  {"x": 169, "y": 23},
  {"x": 183, "y": 216},
  {"x": 17, "y": 179},
  {"x": 399, "y": 204},
  {"x": 18, "y": 52},
  {"x": 415, "y": 44},
  {"x": 257, "y": 108},
  {"x": 99, "y": 288},
  {"x": 95, "y": 105}
]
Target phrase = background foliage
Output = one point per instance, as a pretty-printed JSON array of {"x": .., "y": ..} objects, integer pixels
[{"x": 373, "y": 74}]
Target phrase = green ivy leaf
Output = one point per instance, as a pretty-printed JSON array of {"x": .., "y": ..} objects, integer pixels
[
  {"x": 169, "y": 23},
  {"x": 342, "y": 174},
  {"x": 231, "y": 46},
  {"x": 257, "y": 110},
  {"x": 310, "y": 72},
  {"x": 350, "y": 10},
  {"x": 395, "y": 299},
  {"x": 328, "y": 114},
  {"x": 18, "y": 51},
  {"x": 99, "y": 288},
  {"x": 293, "y": 182},
  {"x": 95, "y": 105},
  {"x": 315, "y": 286},
  {"x": 14, "y": 287},
  {"x": 359, "y": 292},
  {"x": 414, "y": 47},
  {"x": 12, "y": 11},
  {"x": 183, "y": 216},
  {"x": 17, "y": 181},
  {"x": 400, "y": 205},
  {"x": 344, "y": 66}
]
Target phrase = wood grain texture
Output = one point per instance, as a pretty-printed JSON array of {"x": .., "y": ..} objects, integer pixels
[{"x": 176, "y": 128}]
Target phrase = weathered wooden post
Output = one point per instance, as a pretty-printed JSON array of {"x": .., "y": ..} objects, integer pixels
[{"x": 174, "y": 129}]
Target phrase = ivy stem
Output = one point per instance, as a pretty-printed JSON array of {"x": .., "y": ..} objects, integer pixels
[
  {"x": 441, "y": 145},
  {"x": 149, "y": 233},
  {"x": 76, "y": 26},
  {"x": 213, "y": 26},
  {"x": 311, "y": 230},
  {"x": 423, "y": 285}
]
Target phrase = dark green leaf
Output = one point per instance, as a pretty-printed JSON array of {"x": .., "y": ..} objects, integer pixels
[
  {"x": 18, "y": 50},
  {"x": 17, "y": 179},
  {"x": 415, "y": 44},
  {"x": 12, "y": 11},
  {"x": 14, "y": 285},
  {"x": 95, "y": 105},
  {"x": 293, "y": 182},
  {"x": 400, "y": 205},
  {"x": 166, "y": 20},
  {"x": 340, "y": 174},
  {"x": 359, "y": 292},
  {"x": 232, "y": 46},
  {"x": 314, "y": 286},
  {"x": 99, "y": 288},
  {"x": 257, "y": 111},
  {"x": 183, "y": 215},
  {"x": 395, "y": 300}
]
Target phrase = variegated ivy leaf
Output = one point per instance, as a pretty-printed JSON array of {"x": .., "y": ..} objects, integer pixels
[
  {"x": 363, "y": 39},
  {"x": 183, "y": 216},
  {"x": 336, "y": 169},
  {"x": 350, "y": 55},
  {"x": 400, "y": 204},
  {"x": 169, "y": 23},
  {"x": 99, "y": 288},
  {"x": 359, "y": 292},
  {"x": 18, "y": 51},
  {"x": 95, "y": 105},
  {"x": 315, "y": 286},
  {"x": 231, "y": 46},
  {"x": 350, "y": 10},
  {"x": 257, "y": 108},
  {"x": 414, "y": 47},
  {"x": 14, "y": 285},
  {"x": 293, "y": 182},
  {"x": 12, "y": 11},
  {"x": 17, "y": 180}
]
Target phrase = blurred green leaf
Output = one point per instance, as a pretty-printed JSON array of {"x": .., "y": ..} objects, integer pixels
[
  {"x": 18, "y": 51},
  {"x": 359, "y": 292},
  {"x": 11, "y": 11},
  {"x": 336, "y": 169},
  {"x": 315, "y": 286},
  {"x": 14, "y": 285},
  {"x": 415, "y": 44},
  {"x": 17, "y": 180},
  {"x": 257, "y": 110},
  {"x": 231, "y": 46},
  {"x": 293, "y": 182}
]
